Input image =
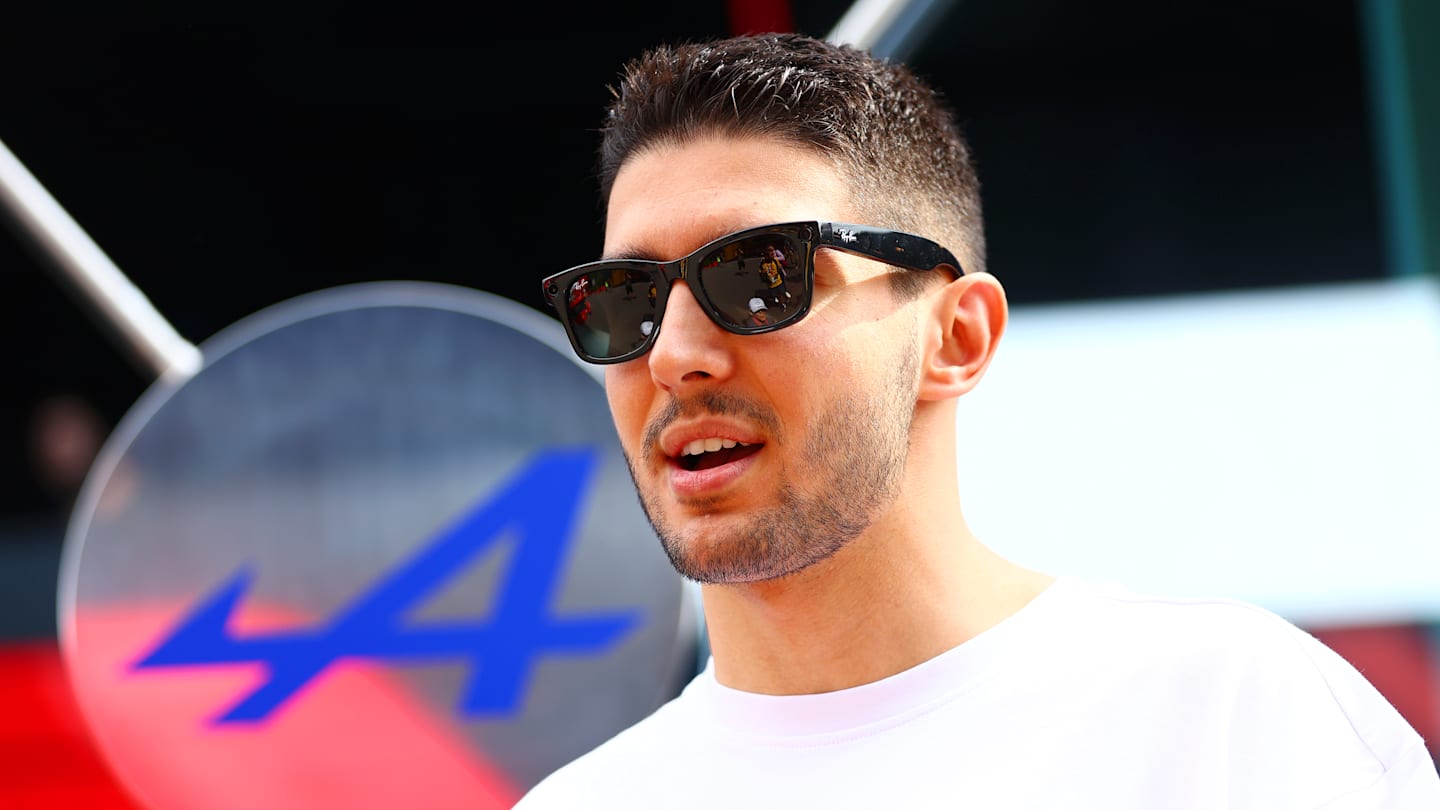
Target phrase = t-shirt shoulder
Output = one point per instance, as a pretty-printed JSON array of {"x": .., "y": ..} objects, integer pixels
[{"x": 1272, "y": 667}]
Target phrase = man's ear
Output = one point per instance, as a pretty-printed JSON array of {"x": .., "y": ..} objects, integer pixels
[{"x": 969, "y": 317}]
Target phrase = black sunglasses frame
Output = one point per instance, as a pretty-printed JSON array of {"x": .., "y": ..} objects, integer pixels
[{"x": 897, "y": 248}]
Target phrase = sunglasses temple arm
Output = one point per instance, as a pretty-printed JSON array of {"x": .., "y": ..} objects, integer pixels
[{"x": 891, "y": 247}]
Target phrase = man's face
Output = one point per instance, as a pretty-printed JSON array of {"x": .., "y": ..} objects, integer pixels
[{"x": 758, "y": 456}]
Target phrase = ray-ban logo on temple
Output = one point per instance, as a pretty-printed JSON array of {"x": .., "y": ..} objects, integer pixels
[
  {"x": 537, "y": 508},
  {"x": 749, "y": 282}
]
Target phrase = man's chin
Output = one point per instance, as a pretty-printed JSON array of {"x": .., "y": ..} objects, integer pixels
[
  {"x": 730, "y": 558},
  {"x": 706, "y": 559}
]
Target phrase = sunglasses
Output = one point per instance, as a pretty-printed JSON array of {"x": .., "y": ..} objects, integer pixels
[{"x": 749, "y": 282}]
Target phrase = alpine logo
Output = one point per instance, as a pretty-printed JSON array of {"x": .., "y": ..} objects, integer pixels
[{"x": 537, "y": 508}]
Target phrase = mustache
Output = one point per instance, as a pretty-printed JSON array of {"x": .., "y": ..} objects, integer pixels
[{"x": 709, "y": 403}]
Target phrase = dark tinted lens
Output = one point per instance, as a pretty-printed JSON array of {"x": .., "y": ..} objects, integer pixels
[
  {"x": 756, "y": 281},
  {"x": 612, "y": 310}
]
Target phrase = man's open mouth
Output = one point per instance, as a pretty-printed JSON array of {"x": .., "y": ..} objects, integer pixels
[{"x": 702, "y": 454}]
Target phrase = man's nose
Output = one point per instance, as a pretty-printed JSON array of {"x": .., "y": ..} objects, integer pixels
[{"x": 690, "y": 347}]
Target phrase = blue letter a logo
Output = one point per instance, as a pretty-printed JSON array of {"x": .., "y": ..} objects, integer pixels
[{"x": 538, "y": 507}]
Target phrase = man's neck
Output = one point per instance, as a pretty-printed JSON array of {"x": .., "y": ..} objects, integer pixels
[{"x": 881, "y": 605}]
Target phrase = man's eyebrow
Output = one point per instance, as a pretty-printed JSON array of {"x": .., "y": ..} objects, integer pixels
[
  {"x": 636, "y": 253},
  {"x": 628, "y": 253}
]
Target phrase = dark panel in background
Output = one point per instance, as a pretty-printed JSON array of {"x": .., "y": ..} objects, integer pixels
[
  {"x": 1126, "y": 148},
  {"x": 1136, "y": 148}
]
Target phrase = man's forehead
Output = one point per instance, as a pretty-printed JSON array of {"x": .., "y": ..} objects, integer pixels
[{"x": 669, "y": 201}]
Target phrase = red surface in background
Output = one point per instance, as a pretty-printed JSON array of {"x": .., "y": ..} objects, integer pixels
[
  {"x": 47, "y": 757},
  {"x": 760, "y": 16},
  {"x": 354, "y": 737},
  {"x": 1404, "y": 666}
]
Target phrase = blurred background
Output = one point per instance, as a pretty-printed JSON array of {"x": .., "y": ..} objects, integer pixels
[{"x": 1186, "y": 204}]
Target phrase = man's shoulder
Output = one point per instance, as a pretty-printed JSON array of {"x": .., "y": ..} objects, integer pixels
[
  {"x": 1216, "y": 636},
  {"x": 1278, "y": 683},
  {"x": 1230, "y": 627}
]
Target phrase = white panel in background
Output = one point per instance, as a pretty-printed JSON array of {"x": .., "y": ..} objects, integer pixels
[{"x": 1281, "y": 447}]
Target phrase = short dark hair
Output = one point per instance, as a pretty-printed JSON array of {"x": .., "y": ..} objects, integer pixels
[{"x": 890, "y": 133}]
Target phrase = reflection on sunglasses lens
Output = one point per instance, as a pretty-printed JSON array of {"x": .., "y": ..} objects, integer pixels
[
  {"x": 612, "y": 311},
  {"x": 756, "y": 281}
]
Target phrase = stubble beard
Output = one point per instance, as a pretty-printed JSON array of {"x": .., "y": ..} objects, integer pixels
[{"x": 857, "y": 450}]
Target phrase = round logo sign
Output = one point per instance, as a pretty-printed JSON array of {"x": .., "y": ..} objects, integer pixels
[{"x": 382, "y": 550}]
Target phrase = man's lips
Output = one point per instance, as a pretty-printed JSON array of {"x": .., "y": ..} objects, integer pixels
[
  {"x": 706, "y": 456},
  {"x": 680, "y": 441},
  {"x": 705, "y": 418},
  {"x": 710, "y": 475}
]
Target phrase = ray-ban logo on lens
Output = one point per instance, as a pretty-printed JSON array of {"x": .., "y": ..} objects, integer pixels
[{"x": 537, "y": 507}]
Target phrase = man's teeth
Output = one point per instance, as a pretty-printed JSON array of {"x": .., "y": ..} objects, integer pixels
[{"x": 710, "y": 445}]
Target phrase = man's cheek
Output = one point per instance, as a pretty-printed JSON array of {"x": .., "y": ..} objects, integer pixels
[{"x": 627, "y": 413}]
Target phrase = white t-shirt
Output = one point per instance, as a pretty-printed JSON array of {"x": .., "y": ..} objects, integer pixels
[{"x": 1089, "y": 697}]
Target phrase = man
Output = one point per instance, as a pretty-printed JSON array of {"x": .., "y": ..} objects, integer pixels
[
  {"x": 759, "y": 316},
  {"x": 869, "y": 650}
]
